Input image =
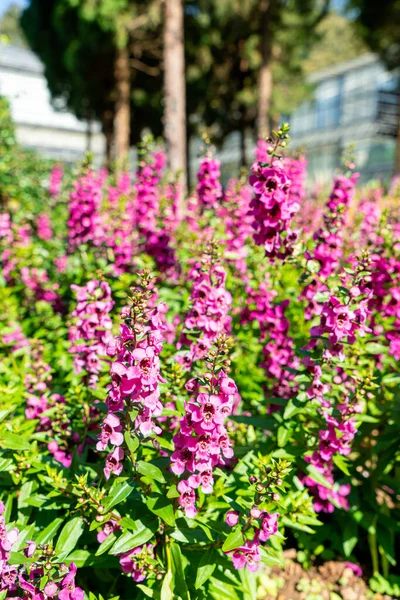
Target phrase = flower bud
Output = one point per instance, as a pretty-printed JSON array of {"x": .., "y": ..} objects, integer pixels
[
  {"x": 232, "y": 518},
  {"x": 255, "y": 512}
]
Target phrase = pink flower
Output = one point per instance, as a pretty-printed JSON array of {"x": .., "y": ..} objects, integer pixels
[
  {"x": 30, "y": 590},
  {"x": 232, "y": 518},
  {"x": 111, "y": 431},
  {"x": 44, "y": 230},
  {"x": 357, "y": 570},
  {"x": 113, "y": 463},
  {"x": 56, "y": 176},
  {"x": 269, "y": 526},
  {"x": 108, "y": 529},
  {"x": 187, "y": 499},
  {"x": 50, "y": 589},
  {"x": 30, "y": 549},
  {"x": 247, "y": 556},
  {"x": 68, "y": 589},
  {"x": 134, "y": 561}
]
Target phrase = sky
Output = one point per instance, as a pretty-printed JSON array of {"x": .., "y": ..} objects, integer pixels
[{"x": 4, "y": 4}]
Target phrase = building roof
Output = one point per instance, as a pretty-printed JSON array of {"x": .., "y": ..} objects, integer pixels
[
  {"x": 19, "y": 59},
  {"x": 340, "y": 68},
  {"x": 23, "y": 83}
]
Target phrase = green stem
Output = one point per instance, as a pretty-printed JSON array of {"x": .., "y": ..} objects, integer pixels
[{"x": 373, "y": 547}]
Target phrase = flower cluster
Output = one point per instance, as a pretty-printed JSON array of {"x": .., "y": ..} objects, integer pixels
[
  {"x": 8, "y": 573},
  {"x": 56, "y": 176},
  {"x": 156, "y": 236},
  {"x": 272, "y": 208},
  {"x": 296, "y": 169},
  {"x": 208, "y": 316},
  {"x": 16, "y": 338},
  {"x": 135, "y": 562},
  {"x": 340, "y": 323},
  {"x": 91, "y": 332},
  {"x": 328, "y": 249},
  {"x": 84, "y": 223},
  {"x": 61, "y": 584},
  {"x": 38, "y": 282},
  {"x": 264, "y": 526},
  {"x": 118, "y": 225},
  {"x": 147, "y": 195},
  {"x": 43, "y": 226},
  {"x": 278, "y": 346},
  {"x": 6, "y": 227},
  {"x": 203, "y": 442},
  {"x": 135, "y": 374},
  {"x": 234, "y": 212},
  {"x": 209, "y": 188}
]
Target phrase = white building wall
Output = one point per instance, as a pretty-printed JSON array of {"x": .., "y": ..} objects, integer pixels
[{"x": 56, "y": 134}]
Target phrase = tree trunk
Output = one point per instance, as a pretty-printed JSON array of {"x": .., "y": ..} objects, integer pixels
[
  {"x": 397, "y": 160},
  {"x": 122, "y": 104},
  {"x": 108, "y": 131},
  {"x": 265, "y": 76},
  {"x": 188, "y": 165},
  {"x": 89, "y": 135},
  {"x": 174, "y": 88}
]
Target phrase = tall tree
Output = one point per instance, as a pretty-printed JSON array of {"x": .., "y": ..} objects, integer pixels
[
  {"x": 265, "y": 77},
  {"x": 245, "y": 65},
  {"x": 379, "y": 25},
  {"x": 174, "y": 86},
  {"x": 101, "y": 63},
  {"x": 327, "y": 52},
  {"x": 10, "y": 29}
]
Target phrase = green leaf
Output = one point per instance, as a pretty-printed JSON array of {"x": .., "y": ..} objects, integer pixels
[
  {"x": 160, "y": 506},
  {"x": 291, "y": 410},
  {"x": 180, "y": 586},
  {"x": 17, "y": 558},
  {"x": 49, "y": 532},
  {"x": 26, "y": 490},
  {"x": 350, "y": 536},
  {"x": 271, "y": 558},
  {"x": 5, "y": 412},
  {"x": 150, "y": 471},
  {"x": 69, "y": 536},
  {"x": 386, "y": 544},
  {"x": 318, "y": 477},
  {"x": 189, "y": 536},
  {"x": 132, "y": 442},
  {"x": 283, "y": 436},
  {"x": 206, "y": 567},
  {"x": 149, "y": 592},
  {"x": 106, "y": 544},
  {"x": 127, "y": 541},
  {"x": 12, "y": 441},
  {"x": 375, "y": 348},
  {"x": 117, "y": 495},
  {"x": 295, "y": 525},
  {"x": 261, "y": 422},
  {"x": 173, "y": 492},
  {"x": 234, "y": 540},
  {"x": 80, "y": 557},
  {"x": 166, "y": 588},
  {"x": 341, "y": 463},
  {"x": 164, "y": 443}
]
